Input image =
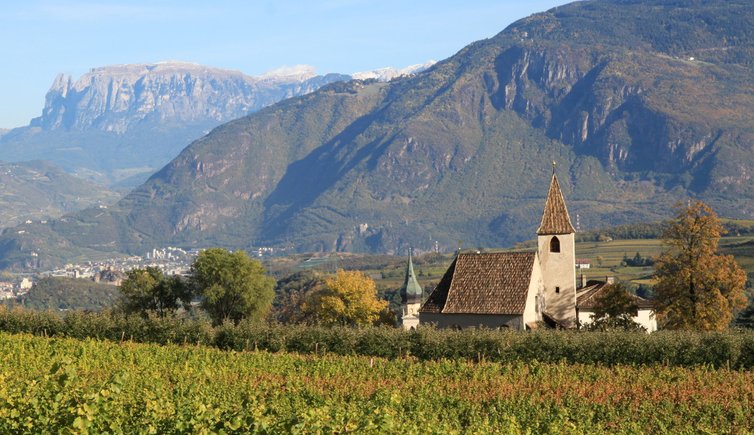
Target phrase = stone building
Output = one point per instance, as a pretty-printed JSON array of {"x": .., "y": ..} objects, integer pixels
[{"x": 518, "y": 290}]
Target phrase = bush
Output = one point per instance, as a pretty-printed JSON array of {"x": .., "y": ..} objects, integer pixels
[{"x": 734, "y": 349}]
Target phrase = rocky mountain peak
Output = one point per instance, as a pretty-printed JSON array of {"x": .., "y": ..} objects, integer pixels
[{"x": 118, "y": 97}]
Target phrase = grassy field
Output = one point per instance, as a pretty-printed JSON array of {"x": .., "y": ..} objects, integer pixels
[{"x": 71, "y": 386}]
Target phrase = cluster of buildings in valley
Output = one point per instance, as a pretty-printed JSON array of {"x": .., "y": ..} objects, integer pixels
[
  {"x": 517, "y": 290},
  {"x": 10, "y": 289},
  {"x": 170, "y": 260}
]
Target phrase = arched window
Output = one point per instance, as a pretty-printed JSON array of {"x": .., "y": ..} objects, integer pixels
[{"x": 554, "y": 245}]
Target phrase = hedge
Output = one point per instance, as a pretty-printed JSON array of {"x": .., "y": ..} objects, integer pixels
[{"x": 731, "y": 349}]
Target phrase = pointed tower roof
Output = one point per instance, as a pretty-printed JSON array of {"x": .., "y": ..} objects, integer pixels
[
  {"x": 411, "y": 292},
  {"x": 555, "y": 219}
]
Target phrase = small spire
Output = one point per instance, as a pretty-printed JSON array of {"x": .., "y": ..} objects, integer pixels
[
  {"x": 554, "y": 163},
  {"x": 411, "y": 292}
]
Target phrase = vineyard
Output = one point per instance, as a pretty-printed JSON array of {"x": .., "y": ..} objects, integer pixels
[
  {"x": 733, "y": 349},
  {"x": 66, "y": 385}
]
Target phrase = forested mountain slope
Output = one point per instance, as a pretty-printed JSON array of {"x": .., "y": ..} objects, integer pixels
[{"x": 641, "y": 104}]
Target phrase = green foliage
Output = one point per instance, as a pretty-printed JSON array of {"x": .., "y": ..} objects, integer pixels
[
  {"x": 107, "y": 326},
  {"x": 638, "y": 261},
  {"x": 623, "y": 232},
  {"x": 290, "y": 293},
  {"x": 232, "y": 285},
  {"x": 745, "y": 318},
  {"x": 614, "y": 310},
  {"x": 148, "y": 290},
  {"x": 55, "y": 293},
  {"x": 733, "y": 349},
  {"x": 90, "y": 386}
]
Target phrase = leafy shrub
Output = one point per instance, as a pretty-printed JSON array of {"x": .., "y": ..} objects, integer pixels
[{"x": 733, "y": 349}]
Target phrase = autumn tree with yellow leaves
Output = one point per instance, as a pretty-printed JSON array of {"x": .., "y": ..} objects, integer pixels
[
  {"x": 697, "y": 288},
  {"x": 347, "y": 298}
]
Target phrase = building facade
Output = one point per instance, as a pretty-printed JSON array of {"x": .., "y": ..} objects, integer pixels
[{"x": 517, "y": 290}]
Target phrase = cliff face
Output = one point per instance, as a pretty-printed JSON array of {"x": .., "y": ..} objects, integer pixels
[
  {"x": 664, "y": 89},
  {"x": 118, "y": 124},
  {"x": 117, "y": 98},
  {"x": 641, "y": 103}
]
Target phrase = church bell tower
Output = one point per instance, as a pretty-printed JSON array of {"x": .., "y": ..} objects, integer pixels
[
  {"x": 557, "y": 256},
  {"x": 411, "y": 297}
]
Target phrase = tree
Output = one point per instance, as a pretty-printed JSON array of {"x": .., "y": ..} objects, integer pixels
[
  {"x": 233, "y": 286},
  {"x": 697, "y": 288},
  {"x": 745, "y": 318},
  {"x": 615, "y": 309},
  {"x": 290, "y": 294},
  {"x": 599, "y": 260},
  {"x": 348, "y": 298},
  {"x": 149, "y": 290}
]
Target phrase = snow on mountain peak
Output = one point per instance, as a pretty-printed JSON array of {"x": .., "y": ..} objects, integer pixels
[
  {"x": 389, "y": 73},
  {"x": 296, "y": 72}
]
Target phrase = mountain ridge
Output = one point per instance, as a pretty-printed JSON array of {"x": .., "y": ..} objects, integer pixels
[
  {"x": 38, "y": 191},
  {"x": 118, "y": 124},
  {"x": 462, "y": 150}
]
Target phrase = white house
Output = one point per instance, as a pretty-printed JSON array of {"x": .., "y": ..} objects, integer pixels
[{"x": 587, "y": 297}]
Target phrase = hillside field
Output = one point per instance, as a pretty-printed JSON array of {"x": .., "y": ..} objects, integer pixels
[{"x": 389, "y": 271}]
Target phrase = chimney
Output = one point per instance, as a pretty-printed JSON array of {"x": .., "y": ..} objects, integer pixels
[
  {"x": 610, "y": 279},
  {"x": 583, "y": 281}
]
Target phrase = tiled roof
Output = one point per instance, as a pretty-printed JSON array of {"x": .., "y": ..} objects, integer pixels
[
  {"x": 587, "y": 297},
  {"x": 555, "y": 219},
  {"x": 490, "y": 283},
  {"x": 436, "y": 300}
]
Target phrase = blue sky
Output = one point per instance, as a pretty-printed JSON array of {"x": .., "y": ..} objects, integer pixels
[{"x": 41, "y": 38}]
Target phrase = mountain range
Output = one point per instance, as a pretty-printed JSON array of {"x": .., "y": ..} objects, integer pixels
[
  {"x": 641, "y": 103},
  {"x": 118, "y": 124}
]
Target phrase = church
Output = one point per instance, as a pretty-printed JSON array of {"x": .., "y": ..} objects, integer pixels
[{"x": 514, "y": 290}]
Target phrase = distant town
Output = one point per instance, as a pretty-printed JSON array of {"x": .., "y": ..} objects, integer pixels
[{"x": 170, "y": 260}]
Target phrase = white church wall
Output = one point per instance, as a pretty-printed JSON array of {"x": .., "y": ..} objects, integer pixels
[
  {"x": 559, "y": 275},
  {"x": 534, "y": 297}
]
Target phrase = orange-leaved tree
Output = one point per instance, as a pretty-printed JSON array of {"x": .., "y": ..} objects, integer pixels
[
  {"x": 697, "y": 288},
  {"x": 348, "y": 298}
]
